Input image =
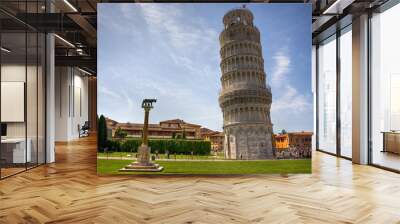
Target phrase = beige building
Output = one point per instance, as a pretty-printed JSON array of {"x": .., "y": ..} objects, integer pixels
[
  {"x": 164, "y": 129},
  {"x": 215, "y": 137},
  {"x": 300, "y": 140}
]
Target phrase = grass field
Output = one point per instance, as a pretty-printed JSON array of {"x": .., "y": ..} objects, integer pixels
[
  {"x": 161, "y": 156},
  {"x": 213, "y": 167}
]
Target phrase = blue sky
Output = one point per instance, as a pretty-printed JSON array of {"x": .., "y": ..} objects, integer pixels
[{"x": 171, "y": 52}]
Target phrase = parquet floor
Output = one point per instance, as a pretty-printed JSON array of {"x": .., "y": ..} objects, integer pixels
[{"x": 69, "y": 191}]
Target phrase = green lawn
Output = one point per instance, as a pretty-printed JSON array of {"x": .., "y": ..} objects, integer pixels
[
  {"x": 161, "y": 156},
  {"x": 213, "y": 167}
]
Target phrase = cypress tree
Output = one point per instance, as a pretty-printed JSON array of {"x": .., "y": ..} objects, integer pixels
[{"x": 102, "y": 133}]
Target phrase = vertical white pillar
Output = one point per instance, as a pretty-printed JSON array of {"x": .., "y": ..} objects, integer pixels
[
  {"x": 360, "y": 89},
  {"x": 50, "y": 92},
  {"x": 50, "y": 99}
]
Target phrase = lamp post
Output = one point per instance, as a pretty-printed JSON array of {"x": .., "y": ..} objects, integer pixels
[{"x": 143, "y": 159}]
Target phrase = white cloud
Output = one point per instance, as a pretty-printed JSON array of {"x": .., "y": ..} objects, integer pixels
[
  {"x": 282, "y": 66},
  {"x": 184, "y": 40},
  {"x": 290, "y": 100},
  {"x": 288, "y": 97},
  {"x": 169, "y": 22},
  {"x": 189, "y": 53},
  {"x": 108, "y": 22},
  {"x": 108, "y": 92},
  {"x": 129, "y": 102}
]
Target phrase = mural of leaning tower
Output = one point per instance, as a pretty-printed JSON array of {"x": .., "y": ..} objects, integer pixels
[{"x": 245, "y": 99}]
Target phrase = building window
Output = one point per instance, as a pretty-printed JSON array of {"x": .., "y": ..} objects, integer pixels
[
  {"x": 385, "y": 89},
  {"x": 346, "y": 92},
  {"x": 327, "y": 95}
]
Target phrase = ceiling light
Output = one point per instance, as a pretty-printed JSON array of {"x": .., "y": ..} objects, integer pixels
[
  {"x": 79, "y": 51},
  {"x": 70, "y": 5},
  {"x": 84, "y": 71},
  {"x": 64, "y": 40},
  {"x": 5, "y": 50},
  {"x": 338, "y": 6}
]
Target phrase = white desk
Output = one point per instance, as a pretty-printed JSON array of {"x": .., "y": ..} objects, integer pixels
[{"x": 18, "y": 149}]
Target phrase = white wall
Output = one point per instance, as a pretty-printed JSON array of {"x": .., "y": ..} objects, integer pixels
[
  {"x": 80, "y": 110},
  {"x": 12, "y": 73},
  {"x": 17, "y": 73},
  {"x": 61, "y": 103},
  {"x": 33, "y": 126},
  {"x": 71, "y": 103}
]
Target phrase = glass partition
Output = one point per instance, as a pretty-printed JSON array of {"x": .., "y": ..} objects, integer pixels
[
  {"x": 346, "y": 92},
  {"x": 23, "y": 91},
  {"x": 385, "y": 89},
  {"x": 14, "y": 155},
  {"x": 327, "y": 95}
]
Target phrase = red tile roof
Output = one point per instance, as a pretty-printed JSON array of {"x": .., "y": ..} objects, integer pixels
[{"x": 138, "y": 126}]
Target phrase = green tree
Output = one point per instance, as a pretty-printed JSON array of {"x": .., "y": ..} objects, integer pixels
[
  {"x": 184, "y": 134},
  {"x": 119, "y": 133},
  {"x": 283, "y": 131},
  {"x": 102, "y": 133}
]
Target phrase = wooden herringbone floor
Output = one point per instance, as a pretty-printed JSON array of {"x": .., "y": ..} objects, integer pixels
[{"x": 69, "y": 191}]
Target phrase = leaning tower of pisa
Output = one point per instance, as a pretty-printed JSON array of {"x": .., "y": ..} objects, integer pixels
[{"x": 245, "y": 98}]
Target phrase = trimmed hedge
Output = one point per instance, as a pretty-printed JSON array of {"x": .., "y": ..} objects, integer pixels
[{"x": 178, "y": 146}]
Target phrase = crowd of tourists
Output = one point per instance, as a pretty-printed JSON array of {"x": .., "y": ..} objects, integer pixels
[{"x": 293, "y": 153}]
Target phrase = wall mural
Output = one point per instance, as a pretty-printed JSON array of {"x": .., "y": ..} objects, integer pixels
[{"x": 204, "y": 88}]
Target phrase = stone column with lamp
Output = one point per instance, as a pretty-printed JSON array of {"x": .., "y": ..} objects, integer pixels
[{"x": 143, "y": 163}]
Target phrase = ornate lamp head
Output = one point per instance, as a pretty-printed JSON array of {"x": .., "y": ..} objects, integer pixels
[{"x": 147, "y": 104}]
